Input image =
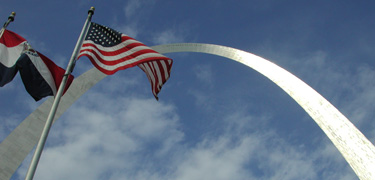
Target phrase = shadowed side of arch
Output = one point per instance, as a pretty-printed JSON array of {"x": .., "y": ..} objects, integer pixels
[{"x": 352, "y": 144}]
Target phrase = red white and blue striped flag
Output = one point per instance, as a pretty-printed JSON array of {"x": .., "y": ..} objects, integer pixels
[
  {"x": 41, "y": 76},
  {"x": 11, "y": 47},
  {"x": 111, "y": 51}
]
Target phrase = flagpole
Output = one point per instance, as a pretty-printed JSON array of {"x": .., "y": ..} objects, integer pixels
[
  {"x": 39, "y": 148},
  {"x": 10, "y": 19}
]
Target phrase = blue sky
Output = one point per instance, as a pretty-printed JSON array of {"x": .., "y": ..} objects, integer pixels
[{"x": 215, "y": 118}]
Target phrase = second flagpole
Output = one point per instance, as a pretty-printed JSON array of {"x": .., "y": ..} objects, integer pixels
[
  {"x": 39, "y": 148},
  {"x": 10, "y": 19}
]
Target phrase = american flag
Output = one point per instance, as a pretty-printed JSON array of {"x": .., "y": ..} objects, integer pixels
[{"x": 111, "y": 51}]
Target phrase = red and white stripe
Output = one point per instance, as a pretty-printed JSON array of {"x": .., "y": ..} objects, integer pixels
[
  {"x": 11, "y": 47},
  {"x": 129, "y": 53},
  {"x": 157, "y": 73}
]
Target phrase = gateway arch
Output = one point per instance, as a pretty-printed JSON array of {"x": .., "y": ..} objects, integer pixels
[{"x": 357, "y": 150}]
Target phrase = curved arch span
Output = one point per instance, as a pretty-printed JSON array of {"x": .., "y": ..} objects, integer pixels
[{"x": 352, "y": 144}]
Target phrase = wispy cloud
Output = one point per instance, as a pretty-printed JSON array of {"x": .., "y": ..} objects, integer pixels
[
  {"x": 132, "y": 138},
  {"x": 132, "y": 7},
  {"x": 96, "y": 140},
  {"x": 168, "y": 36},
  {"x": 321, "y": 70},
  {"x": 204, "y": 74}
]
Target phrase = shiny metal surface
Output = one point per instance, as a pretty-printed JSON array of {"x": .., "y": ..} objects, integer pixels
[{"x": 353, "y": 145}]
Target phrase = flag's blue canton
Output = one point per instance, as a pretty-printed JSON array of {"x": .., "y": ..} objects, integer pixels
[{"x": 103, "y": 35}]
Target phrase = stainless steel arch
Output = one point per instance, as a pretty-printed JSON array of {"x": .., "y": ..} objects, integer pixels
[{"x": 353, "y": 145}]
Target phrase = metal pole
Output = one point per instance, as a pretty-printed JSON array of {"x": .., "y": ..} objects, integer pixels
[
  {"x": 10, "y": 19},
  {"x": 39, "y": 148}
]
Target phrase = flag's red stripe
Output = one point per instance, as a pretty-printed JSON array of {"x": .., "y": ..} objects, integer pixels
[
  {"x": 149, "y": 76},
  {"x": 57, "y": 72},
  {"x": 114, "y": 62},
  {"x": 110, "y": 51},
  {"x": 157, "y": 72},
  {"x": 152, "y": 74},
  {"x": 109, "y": 71},
  {"x": 108, "y": 64},
  {"x": 11, "y": 39}
]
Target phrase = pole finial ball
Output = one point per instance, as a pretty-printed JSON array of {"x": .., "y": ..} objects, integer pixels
[
  {"x": 92, "y": 9},
  {"x": 11, "y": 16}
]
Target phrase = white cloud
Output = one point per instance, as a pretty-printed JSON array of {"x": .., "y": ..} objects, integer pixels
[
  {"x": 328, "y": 157},
  {"x": 206, "y": 79},
  {"x": 129, "y": 138},
  {"x": 130, "y": 29},
  {"x": 352, "y": 92},
  {"x": 217, "y": 159},
  {"x": 132, "y": 8},
  {"x": 168, "y": 36},
  {"x": 135, "y": 7},
  {"x": 137, "y": 13},
  {"x": 97, "y": 139},
  {"x": 204, "y": 74},
  {"x": 350, "y": 89},
  {"x": 202, "y": 100}
]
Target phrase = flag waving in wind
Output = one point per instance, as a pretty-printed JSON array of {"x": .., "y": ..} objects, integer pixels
[
  {"x": 11, "y": 47},
  {"x": 111, "y": 51},
  {"x": 41, "y": 76}
]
